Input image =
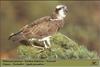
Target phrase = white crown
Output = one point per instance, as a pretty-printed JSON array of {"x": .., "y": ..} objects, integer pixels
[{"x": 59, "y": 6}]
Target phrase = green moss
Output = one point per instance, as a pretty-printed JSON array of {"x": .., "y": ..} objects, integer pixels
[{"x": 62, "y": 47}]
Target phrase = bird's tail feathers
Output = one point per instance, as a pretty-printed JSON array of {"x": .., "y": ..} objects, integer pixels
[{"x": 13, "y": 34}]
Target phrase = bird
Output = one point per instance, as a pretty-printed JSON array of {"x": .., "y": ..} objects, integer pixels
[{"x": 41, "y": 29}]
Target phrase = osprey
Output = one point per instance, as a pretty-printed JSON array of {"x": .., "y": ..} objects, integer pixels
[{"x": 41, "y": 29}]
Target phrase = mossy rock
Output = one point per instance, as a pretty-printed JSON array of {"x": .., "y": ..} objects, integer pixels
[{"x": 62, "y": 47}]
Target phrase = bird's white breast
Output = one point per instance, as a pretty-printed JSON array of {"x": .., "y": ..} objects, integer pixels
[{"x": 61, "y": 14}]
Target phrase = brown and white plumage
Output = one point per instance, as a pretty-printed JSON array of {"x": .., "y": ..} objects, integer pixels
[{"x": 41, "y": 29}]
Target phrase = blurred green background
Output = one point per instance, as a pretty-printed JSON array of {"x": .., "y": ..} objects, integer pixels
[{"x": 82, "y": 23}]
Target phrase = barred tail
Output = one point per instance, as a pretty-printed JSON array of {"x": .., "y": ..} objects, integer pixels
[{"x": 17, "y": 37}]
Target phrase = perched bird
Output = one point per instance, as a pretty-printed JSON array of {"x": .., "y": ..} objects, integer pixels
[{"x": 41, "y": 29}]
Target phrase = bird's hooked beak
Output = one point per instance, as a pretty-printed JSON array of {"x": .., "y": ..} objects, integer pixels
[{"x": 65, "y": 10}]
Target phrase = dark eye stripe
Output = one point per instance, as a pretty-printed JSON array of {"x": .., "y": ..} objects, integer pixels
[{"x": 58, "y": 9}]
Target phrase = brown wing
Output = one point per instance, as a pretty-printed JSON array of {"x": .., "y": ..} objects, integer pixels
[
  {"x": 41, "y": 28},
  {"x": 37, "y": 29}
]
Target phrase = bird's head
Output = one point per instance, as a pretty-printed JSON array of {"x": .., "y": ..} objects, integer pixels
[{"x": 61, "y": 11}]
